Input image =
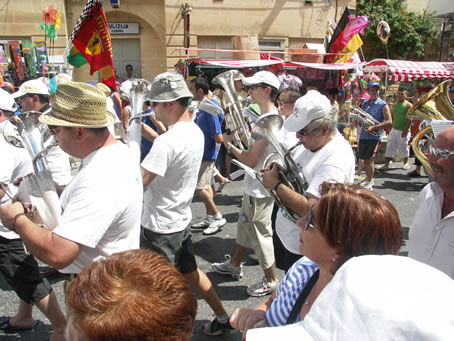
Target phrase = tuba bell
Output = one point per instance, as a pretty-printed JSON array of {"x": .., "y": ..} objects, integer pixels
[
  {"x": 268, "y": 128},
  {"x": 234, "y": 118},
  {"x": 434, "y": 105}
]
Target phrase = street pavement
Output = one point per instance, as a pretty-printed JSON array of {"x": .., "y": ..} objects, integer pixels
[{"x": 401, "y": 190}]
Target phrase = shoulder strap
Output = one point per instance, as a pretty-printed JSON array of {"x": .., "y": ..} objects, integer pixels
[{"x": 300, "y": 301}]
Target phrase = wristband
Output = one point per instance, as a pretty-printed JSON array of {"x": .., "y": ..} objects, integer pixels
[
  {"x": 229, "y": 148},
  {"x": 277, "y": 185},
  {"x": 13, "y": 225}
]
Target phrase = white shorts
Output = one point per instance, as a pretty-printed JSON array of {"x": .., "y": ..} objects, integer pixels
[{"x": 397, "y": 143}]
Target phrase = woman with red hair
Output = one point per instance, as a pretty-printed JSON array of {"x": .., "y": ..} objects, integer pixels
[{"x": 348, "y": 221}]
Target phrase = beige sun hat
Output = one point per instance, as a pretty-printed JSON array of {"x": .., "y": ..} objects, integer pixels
[{"x": 78, "y": 105}]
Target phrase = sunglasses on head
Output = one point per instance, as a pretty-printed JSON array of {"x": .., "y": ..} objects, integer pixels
[{"x": 307, "y": 221}]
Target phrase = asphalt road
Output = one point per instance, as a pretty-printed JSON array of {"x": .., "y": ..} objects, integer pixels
[{"x": 394, "y": 185}]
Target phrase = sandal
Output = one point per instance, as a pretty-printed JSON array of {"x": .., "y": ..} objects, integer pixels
[{"x": 6, "y": 327}]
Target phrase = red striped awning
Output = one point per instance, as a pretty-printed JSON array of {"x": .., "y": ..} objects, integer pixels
[{"x": 405, "y": 71}]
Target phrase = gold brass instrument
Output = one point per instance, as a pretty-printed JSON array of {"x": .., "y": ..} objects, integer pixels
[
  {"x": 434, "y": 105},
  {"x": 234, "y": 118},
  {"x": 268, "y": 128},
  {"x": 365, "y": 119}
]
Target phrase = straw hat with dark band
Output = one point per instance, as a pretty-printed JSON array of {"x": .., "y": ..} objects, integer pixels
[{"x": 78, "y": 105}]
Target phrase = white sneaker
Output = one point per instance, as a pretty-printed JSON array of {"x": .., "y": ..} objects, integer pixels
[
  {"x": 205, "y": 223},
  {"x": 226, "y": 268},
  {"x": 215, "y": 226},
  {"x": 367, "y": 184},
  {"x": 262, "y": 288}
]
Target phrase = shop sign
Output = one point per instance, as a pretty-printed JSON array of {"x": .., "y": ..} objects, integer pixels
[{"x": 124, "y": 27}]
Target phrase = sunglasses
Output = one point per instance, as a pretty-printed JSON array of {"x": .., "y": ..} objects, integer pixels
[
  {"x": 279, "y": 102},
  {"x": 307, "y": 221},
  {"x": 440, "y": 152},
  {"x": 52, "y": 128},
  {"x": 255, "y": 86},
  {"x": 303, "y": 132}
]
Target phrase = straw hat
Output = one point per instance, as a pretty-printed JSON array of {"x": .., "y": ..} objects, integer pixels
[{"x": 78, "y": 105}]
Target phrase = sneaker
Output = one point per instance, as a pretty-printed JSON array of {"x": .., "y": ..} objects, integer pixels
[
  {"x": 214, "y": 327},
  {"x": 203, "y": 224},
  {"x": 367, "y": 184},
  {"x": 215, "y": 226},
  {"x": 226, "y": 268},
  {"x": 262, "y": 288}
]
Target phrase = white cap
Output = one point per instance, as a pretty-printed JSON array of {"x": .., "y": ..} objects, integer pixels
[
  {"x": 265, "y": 77},
  {"x": 7, "y": 102},
  {"x": 310, "y": 107},
  {"x": 376, "y": 298},
  {"x": 34, "y": 86}
]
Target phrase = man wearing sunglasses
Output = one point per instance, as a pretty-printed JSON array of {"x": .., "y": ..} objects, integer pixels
[
  {"x": 33, "y": 95},
  {"x": 432, "y": 231},
  {"x": 326, "y": 156},
  {"x": 254, "y": 225}
]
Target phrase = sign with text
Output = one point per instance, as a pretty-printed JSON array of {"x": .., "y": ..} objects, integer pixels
[{"x": 124, "y": 27}]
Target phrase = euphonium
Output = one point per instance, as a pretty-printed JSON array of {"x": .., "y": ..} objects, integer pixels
[
  {"x": 364, "y": 119},
  {"x": 434, "y": 105},
  {"x": 25, "y": 131},
  {"x": 234, "y": 118},
  {"x": 268, "y": 128}
]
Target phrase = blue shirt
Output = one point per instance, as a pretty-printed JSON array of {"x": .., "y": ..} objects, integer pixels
[
  {"x": 145, "y": 145},
  {"x": 210, "y": 126},
  {"x": 376, "y": 111},
  {"x": 288, "y": 291}
]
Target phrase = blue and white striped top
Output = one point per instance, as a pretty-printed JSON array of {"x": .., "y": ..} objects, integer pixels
[{"x": 288, "y": 291}]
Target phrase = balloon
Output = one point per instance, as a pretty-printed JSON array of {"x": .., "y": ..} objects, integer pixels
[{"x": 383, "y": 31}]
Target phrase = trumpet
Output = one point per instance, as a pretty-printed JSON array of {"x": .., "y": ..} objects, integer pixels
[
  {"x": 268, "y": 128},
  {"x": 234, "y": 118},
  {"x": 364, "y": 119}
]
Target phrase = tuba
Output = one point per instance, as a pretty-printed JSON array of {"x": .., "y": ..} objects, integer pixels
[
  {"x": 434, "y": 105},
  {"x": 234, "y": 118},
  {"x": 365, "y": 120},
  {"x": 268, "y": 128}
]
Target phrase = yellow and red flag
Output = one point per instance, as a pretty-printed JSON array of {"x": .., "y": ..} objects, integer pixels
[{"x": 90, "y": 42}]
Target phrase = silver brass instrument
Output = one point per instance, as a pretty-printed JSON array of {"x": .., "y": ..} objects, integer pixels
[
  {"x": 268, "y": 128},
  {"x": 25, "y": 131},
  {"x": 434, "y": 105},
  {"x": 364, "y": 119},
  {"x": 234, "y": 118}
]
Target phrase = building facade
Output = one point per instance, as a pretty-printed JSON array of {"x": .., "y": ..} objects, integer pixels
[{"x": 150, "y": 34}]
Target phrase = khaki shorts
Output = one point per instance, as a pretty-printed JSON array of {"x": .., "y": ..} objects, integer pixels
[
  {"x": 254, "y": 228},
  {"x": 205, "y": 175}
]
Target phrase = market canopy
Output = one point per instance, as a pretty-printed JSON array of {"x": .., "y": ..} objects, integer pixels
[{"x": 405, "y": 71}]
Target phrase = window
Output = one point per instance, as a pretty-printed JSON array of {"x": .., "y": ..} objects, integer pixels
[{"x": 215, "y": 43}]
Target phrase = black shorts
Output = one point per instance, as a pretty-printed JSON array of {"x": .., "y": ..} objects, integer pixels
[
  {"x": 368, "y": 149},
  {"x": 21, "y": 272},
  {"x": 284, "y": 258},
  {"x": 176, "y": 247}
]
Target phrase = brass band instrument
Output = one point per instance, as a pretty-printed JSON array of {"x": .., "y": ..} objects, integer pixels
[
  {"x": 25, "y": 131},
  {"x": 365, "y": 119},
  {"x": 234, "y": 118},
  {"x": 268, "y": 128},
  {"x": 434, "y": 105}
]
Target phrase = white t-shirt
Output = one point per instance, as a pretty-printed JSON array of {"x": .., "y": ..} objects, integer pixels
[
  {"x": 431, "y": 236},
  {"x": 175, "y": 158},
  {"x": 334, "y": 162},
  {"x": 59, "y": 165},
  {"x": 15, "y": 163},
  {"x": 253, "y": 187},
  {"x": 102, "y": 206}
]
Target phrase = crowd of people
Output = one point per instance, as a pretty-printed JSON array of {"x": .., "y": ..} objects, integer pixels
[{"x": 123, "y": 239}]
